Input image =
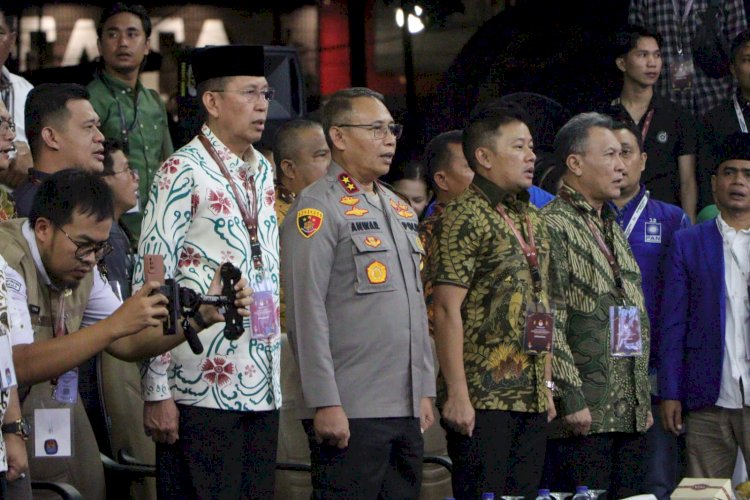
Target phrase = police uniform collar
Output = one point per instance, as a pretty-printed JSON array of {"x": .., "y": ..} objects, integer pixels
[
  {"x": 345, "y": 181},
  {"x": 579, "y": 202},
  {"x": 234, "y": 163},
  {"x": 495, "y": 195}
]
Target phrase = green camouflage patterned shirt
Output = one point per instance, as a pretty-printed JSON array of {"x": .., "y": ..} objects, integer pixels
[
  {"x": 473, "y": 247},
  {"x": 616, "y": 390}
]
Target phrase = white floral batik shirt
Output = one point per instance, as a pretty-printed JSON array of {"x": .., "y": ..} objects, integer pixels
[{"x": 192, "y": 219}]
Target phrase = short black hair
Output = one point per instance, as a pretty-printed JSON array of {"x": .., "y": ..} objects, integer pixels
[
  {"x": 436, "y": 153},
  {"x": 121, "y": 7},
  {"x": 111, "y": 146},
  {"x": 63, "y": 193},
  {"x": 285, "y": 142},
  {"x": 738, "y": 42},
  {"x": 485, "y": 123},
  {"x": 632, "y": 128},
  {"x": 411, "y": 171},
  {"x": 47, "y": 103},
  {"x": 10, "y": 19},
  {"x": 627, "y": 39}
]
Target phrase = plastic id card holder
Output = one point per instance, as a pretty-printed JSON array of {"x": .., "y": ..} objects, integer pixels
[
  {"x": 625, "y": 331},
  {"x": 53, "y": 432},
  {"x": 539, "y": 329},
  {"x": 681, "y": 72},
  {"x": 7, "y": 370},
  {"x": 264, "y": 317}
]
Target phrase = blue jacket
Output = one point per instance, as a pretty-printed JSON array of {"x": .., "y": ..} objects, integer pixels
[
  {"x": 692, "y": 314},
  {"x": 649, "y": 240}
]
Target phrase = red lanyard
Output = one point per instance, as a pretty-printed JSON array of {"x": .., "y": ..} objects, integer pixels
[
  {"x": 249, "y": 216},
  {"x": 529, "y": 249},
  {"x": 611, "y": 259},
  {"x": 647, "y": 124}
]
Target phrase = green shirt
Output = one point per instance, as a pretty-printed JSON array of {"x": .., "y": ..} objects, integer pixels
[
  {"x": 473, "y": 247},
  {"x": 616, "y": 390},
  {"x": 140, "y": 112}
]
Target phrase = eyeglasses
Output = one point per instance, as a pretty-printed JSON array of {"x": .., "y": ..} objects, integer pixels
[
  {"x": 128, "y": 170},
  {"x": 83, "y": 250},
  {"x": 378, "y": 131},
  {"x": 251, "y": 95},
  {"x": 7, "y": 124}
]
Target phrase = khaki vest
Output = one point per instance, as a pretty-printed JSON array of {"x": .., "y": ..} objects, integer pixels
[{"x": 84, "y": 469}]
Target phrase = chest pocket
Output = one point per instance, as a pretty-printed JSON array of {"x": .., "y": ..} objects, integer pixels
[
  {"x": 418, "y": 256},
  {"x": 374, "y": 263}
]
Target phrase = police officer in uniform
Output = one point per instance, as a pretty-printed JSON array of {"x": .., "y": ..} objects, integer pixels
[{"x": 355, "y": 313}]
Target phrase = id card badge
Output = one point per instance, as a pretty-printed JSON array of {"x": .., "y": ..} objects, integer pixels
[
  {"x": 53, "y": 432},
  {"x": 263, "y": 315},
  {"x": 681, "y": 72},
  {"x": 7, "y": 370},
  {"x": 625, "y": 331},
  {"x": 66, "y": 390},
  {"x": 539, "y": 330}
]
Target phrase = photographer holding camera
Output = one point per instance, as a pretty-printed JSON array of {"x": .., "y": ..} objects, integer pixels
[{"x": 69, "y": 314}]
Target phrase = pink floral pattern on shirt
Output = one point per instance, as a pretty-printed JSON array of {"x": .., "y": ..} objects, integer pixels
[
  {"x": 219, "y": 203},
  {"x": 189, "y": 257},
  {"x": 217, "y": 370}
]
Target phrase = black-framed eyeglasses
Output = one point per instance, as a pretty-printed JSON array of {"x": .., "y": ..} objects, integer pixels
[
  {"x": 378, "y": 131},
  {"x": 128, "y": 170},
  {"x": 7, "y": 124},
  {"x": 83, "y": 250},
  {"x": 251, "y": 95}
]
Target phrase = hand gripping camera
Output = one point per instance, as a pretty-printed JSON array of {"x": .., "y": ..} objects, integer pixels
[{"x": 184, "y": 302}]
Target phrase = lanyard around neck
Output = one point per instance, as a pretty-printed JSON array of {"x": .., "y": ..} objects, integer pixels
[
  {"x": 529, "y": 249},
  {"x": 249, "y": 215}
]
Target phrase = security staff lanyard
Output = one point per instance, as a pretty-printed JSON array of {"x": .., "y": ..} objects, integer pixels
[
  {"x": 249, "y": 216},
  {"x": 681, "y": 20},
  {"x": 611, "y": 259},
  {"x": 740, "y": 114},
  {"x": 634, "y": 218},
  {"x": 529, "y": 250}
]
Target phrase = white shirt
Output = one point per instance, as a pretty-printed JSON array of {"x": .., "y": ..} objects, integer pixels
[
  {"x": 101, "y": 304},
  {"x": 736, "y": 363},
  {"x": 21, "y": 89}
]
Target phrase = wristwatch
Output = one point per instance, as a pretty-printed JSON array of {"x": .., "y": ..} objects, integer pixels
[
  {"x": 20, "y": 427},
  {"x": 549, "y": 384}
]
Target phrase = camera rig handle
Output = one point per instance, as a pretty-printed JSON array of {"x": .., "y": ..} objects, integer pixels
[{"x": 184, "y": 302}]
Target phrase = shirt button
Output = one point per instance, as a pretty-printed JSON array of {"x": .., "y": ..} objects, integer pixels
[
  {"x": 141, "y": 125},
  {"x": 146, "y": 148}
]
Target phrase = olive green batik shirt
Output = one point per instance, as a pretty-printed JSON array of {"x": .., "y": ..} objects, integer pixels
[
  {"x": 474, "y": 248},
  {"x": 615, "y": 389}
]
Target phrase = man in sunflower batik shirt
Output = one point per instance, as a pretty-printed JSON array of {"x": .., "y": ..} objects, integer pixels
[
  {"x": 215, "y": 415},
  {"x": 494, "y": 389},
  {"x": 600, "y": 441}
]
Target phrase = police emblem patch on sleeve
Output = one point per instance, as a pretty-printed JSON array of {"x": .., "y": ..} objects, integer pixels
[{"x": 309, "y": 220}]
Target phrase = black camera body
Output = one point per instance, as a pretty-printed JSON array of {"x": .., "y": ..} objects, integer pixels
[{"x": 184, "y": 303}]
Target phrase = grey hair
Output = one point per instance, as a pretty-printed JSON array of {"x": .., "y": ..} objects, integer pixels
[
  {"x": 340, "y": 104},
  {"x": 573, "y": 136}
]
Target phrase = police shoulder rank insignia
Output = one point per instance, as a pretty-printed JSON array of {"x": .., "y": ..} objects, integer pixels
[
  {"x": 372, "y": 241},
  {"x": 309, "y": 221},
  {"x": 357, "y": 212},
  {"x": 377, "y": 273},
  {"x": 402, "y": 209},
  {"x": 348, "y": 183},
  {"x": 349, "y": 201}
]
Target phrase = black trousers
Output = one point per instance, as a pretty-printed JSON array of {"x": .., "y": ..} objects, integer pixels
[
  {"x": 609, "y": 461},
  {"x": 220, "y": 454},
  {"x": 504, "y": 455},
  {"x": 383, "y": 460}
]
